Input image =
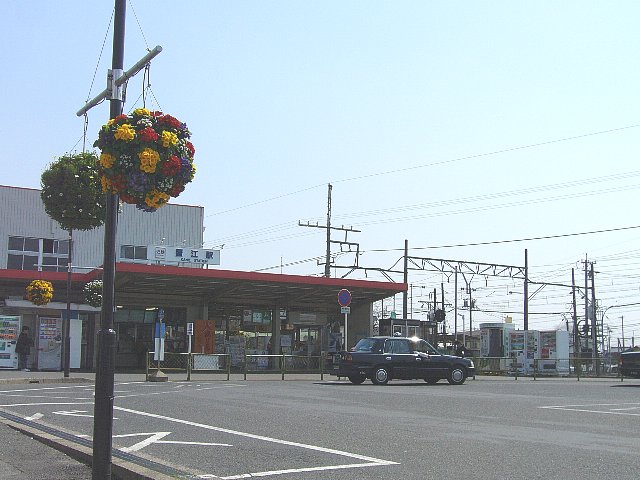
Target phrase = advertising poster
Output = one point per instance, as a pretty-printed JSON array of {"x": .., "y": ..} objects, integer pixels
[
  {"x": 204, "y": 338},
  {"x": 50, "y": 344}
]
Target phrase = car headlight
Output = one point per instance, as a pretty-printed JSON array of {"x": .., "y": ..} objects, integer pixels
[{"x": 471, "y": 365}]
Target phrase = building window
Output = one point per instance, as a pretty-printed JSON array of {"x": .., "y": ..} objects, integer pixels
[
  {"x": 133, "y": 252},
  {"x": 42, "y": 254}
]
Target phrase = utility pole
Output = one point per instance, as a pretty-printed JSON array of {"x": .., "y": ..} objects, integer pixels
[
  {"x": 526, "y": 290},
  {"x": 327, "y": 265},
  {"x": 405, "y": 278},
  {"x": 594, "y": 323},
  {"x": 328, "y": 227},
  {"x": 576, "y": 335}
]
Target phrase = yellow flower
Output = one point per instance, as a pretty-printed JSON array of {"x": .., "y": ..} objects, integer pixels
[
  {"x": 142, "y": 112},
  {"x": 110, "y": 121},
  {"x": 107, "y": 160},
  {"x": 106, "y": 184},
  {"x": 156, "y": 198},
  {"x": 125, "y": 133},
  {"x": 149, "y": 159},
  {"x": 169, "y": 138},
  {"x": 40, "y": 292}
]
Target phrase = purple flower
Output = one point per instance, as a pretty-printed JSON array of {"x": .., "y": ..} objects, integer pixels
[{"x": 139, "y": 182}]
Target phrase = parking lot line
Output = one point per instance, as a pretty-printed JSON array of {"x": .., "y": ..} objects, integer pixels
[{"x": 364, "y": 461}]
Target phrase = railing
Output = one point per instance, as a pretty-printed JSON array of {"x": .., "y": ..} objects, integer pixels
[
  {"x": 284, "y": 364},
  {"x": 191, "y": 363},
  {"x": 546, "y": 367}
]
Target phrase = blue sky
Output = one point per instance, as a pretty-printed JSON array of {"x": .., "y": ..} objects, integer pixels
[{"x": 443, "y": 123}]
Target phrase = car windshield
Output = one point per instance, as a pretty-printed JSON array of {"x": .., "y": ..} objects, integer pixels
[{"x": 373, "y": 345}]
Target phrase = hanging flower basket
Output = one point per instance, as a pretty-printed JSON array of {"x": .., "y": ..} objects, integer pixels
[
  {"x": 39, "y": 292},
  {"x": 146, "y": 158},
  {"x": 93, "y": 293}
]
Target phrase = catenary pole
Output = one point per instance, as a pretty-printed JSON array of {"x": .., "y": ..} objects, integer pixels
[
  {"x": 327, "y": 265},
  {"x": 526, "y": 290},
  {"x": 103, "y": 408}
]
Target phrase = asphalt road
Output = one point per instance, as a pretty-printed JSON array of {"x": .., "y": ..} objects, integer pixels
[{"x": 488, "y": 428}]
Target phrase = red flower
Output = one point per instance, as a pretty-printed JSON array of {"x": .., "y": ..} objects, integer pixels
[
  {"x": 128, "y": 199},
  {"x": 171, "y": 166},
  {"x": 121, "y": 117},
  {"x": 119, "y": 182},
  {"x": 170, "y": 121},
  {"x": 177, "y": 189},
  {"x": 191, "y": 148},
  {"x": 148, "y": 135}
]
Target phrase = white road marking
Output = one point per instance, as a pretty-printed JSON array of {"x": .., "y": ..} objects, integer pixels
[
  {"x": 48, "y": 396},
  {"x": 151, "y": 438},
  {"x": 270, "y": 473},
  {"x": 164, "y": 392},
  {"x": 76, "y": 413},
  {"x": 597, "y": 408},
  {"x": 35, "y": 416},
  {"x": 202, "y": 444},
  {"x": 370, "y": 461}
]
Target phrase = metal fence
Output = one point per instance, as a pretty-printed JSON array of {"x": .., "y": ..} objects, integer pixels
[
  {"x": 193, "y": 363},
  {"x": 190, "y": 363},
  {"x": 546, "y": 367},
  {"x": 283, "y": 365}
]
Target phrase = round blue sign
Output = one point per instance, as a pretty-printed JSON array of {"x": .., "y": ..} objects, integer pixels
[{"x": 344, "y": 297}]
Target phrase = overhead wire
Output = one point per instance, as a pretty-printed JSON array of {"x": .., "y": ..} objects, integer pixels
[{"x": 433, "y": 164}]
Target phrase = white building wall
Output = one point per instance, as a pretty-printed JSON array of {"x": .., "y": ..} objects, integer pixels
[{"x": 23, "y": 214}]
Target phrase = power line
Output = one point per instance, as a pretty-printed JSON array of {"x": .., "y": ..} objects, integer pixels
[
  {"x": 497, "y": 242},
  {"x": 434, "y": 164}
]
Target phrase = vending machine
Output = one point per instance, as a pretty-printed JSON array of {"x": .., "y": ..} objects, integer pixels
[
  {"x": 523, "y": 347},
  {"x": 9, "y": 331},
  {"x": 554, "y": 352},
  {"x": 50, "y": 344}
]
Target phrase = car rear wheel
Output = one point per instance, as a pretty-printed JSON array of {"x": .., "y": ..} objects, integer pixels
[
  {"x": 380, "y": 376},
  {"x": 431, "y": 380},
  {"x": 457, "y": 375},
  {"x": 357, "y": 379}
]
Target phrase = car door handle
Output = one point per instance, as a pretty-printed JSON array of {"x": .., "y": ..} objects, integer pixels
[{"x": 387, "y": 358}]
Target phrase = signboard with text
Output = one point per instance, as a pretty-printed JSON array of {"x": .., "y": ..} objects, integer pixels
[{"x": 195, "y": 256}]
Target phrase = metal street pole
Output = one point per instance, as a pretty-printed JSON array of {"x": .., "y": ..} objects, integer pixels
[
  {"x": 66, "y": 324},
  {"x": 103, "y": 409}
]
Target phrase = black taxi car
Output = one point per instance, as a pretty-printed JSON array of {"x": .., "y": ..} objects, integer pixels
[{"x": 381, "y": 359}]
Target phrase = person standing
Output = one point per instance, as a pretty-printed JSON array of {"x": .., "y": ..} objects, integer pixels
[
  {"x": 23, "y": 349},
  {"x": 461, "y": 350}
]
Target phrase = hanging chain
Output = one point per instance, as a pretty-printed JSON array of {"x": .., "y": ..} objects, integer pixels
[{"x": 84, "y": 134}]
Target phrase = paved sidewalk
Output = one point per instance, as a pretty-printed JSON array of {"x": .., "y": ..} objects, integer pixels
[{"x": 22, "y": 457}]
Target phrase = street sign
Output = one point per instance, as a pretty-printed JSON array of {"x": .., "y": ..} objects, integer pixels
[
  {"x": 344, "y": 297},
  {"x": 345, "y": 309},
  {"x": 190, "y": 328}
]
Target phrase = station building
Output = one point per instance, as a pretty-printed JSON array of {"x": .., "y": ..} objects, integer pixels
[{"x": 162, "y": 270}]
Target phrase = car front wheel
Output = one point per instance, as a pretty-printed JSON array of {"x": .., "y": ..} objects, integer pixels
[
  {"x": 357, "y": 379},
  {"x": 457, "y": 375},
  {"x": 380, "y": 376}
]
